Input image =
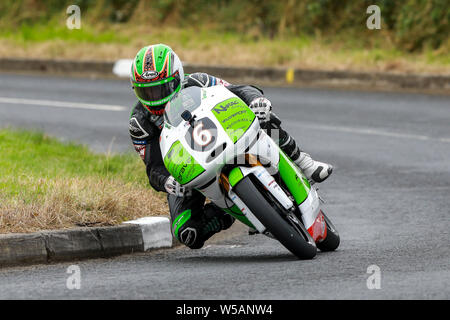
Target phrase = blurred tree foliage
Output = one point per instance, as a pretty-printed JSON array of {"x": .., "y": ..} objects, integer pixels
[{"x": 410, "y": 24}]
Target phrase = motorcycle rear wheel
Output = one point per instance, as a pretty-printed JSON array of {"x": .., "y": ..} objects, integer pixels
[{"x": 332, "y": 241}]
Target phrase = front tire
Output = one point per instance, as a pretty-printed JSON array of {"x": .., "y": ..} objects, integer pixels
[{"x": 291, "y": 235}]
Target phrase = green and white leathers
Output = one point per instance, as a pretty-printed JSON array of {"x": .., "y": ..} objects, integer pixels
[
  {"x": 156, "y": 76},
  {"x": 212, "y": 142}
]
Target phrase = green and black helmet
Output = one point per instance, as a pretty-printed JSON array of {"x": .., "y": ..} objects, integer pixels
[{"x": 156, "y": 75}]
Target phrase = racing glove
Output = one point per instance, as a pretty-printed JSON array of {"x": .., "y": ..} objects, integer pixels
[
  {"x": 173, "y": 187},
  {"x": 261, "y": 107}
]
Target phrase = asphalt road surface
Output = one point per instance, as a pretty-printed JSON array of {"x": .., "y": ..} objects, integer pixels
[{"x": 389, "y": 197}]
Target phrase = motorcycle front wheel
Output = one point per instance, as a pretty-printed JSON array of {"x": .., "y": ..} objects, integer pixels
[{"x": 288, "y": 231}]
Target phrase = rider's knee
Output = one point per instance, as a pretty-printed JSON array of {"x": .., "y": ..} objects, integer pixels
[
  {"x": 193, "y": 232},
  {"x": 190, "y": 237}
]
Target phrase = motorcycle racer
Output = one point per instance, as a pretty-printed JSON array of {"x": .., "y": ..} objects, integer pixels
[{"x": 156, "y": 76}]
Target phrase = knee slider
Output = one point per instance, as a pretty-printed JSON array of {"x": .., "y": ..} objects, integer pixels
[{"x": 189, "y": 236}]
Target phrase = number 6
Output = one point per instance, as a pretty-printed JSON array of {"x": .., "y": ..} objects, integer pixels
[{"x": 200, "y": 136}]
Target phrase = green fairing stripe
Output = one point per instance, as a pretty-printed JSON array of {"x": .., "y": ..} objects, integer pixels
[
  {"x": 297, "y": 184},
  {"x": 235, "y": 176},
  {"x": 180, "y": 220},
  {"x": 235, "y": 212},
  {"x": 234, "y": 116},
  {"x": 181, "y": 165}
]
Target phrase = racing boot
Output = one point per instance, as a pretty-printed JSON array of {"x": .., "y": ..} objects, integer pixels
[{"x": 314, "y": 171}]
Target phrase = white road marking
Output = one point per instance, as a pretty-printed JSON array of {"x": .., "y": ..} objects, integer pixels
[
  {"x": 62, "y": 104},
  {"x": 222, "y": 246},
  {"x": 447, "y": 140},
  {"x": 375, "y": 132}
]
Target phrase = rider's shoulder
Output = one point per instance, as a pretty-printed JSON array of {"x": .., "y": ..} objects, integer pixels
[
  {"x": 197, "y": 79},
  {"x": 202, "y": 79},
  {"x": 141, "y": 125}
]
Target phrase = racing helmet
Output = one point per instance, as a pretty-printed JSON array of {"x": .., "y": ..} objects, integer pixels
[{"x": 156, "y": 76}]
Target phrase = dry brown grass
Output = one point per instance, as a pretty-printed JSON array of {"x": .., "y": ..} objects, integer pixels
[
  {"x": 315, "y": 55},
  {"x": 72, "y": 202}
]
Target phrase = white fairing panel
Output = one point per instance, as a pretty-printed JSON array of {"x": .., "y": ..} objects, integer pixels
[
  {"x": 210, "y": 97},
  {"x": 254, "y": 141},
  {"x": 310, "y": 208}
]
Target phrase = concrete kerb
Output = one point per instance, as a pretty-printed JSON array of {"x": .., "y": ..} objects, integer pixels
[
  {"x": 320, "y": 78},
  {"x": 274, "y": 76},
  {"x": 94, "y": 68},
  {"x": 156, "y": 232},
  {"x": 81, "y": 243}
]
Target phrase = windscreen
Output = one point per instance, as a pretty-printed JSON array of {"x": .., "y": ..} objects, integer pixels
[{"x": 187, "y": 99}]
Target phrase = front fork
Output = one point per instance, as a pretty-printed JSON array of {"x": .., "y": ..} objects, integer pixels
[{"x": 260, "y": 173}]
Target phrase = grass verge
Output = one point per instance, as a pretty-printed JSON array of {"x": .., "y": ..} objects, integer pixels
[
  {"x": 209, "y": 46},
  {"x": 46, "y": 184}
]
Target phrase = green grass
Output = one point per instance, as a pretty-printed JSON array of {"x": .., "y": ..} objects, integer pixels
[
  {"x": 47, "y": 184},
  {"x": 34, "y": 154},
  {"x": 57, "y": 31}
]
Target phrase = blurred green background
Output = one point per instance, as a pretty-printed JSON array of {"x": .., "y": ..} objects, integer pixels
[{"x": 322, "y": 34}]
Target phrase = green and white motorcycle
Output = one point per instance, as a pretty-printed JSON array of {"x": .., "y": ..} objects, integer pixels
[{"x": 212, "y": 142}]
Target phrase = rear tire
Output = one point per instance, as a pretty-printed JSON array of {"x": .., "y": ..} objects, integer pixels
[
  {"x": 292, "y": 236},
  {"x": 332, "y": 241}
]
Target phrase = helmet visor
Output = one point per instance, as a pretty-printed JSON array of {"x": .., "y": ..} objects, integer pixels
[{"x": 152, "y": 94}]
